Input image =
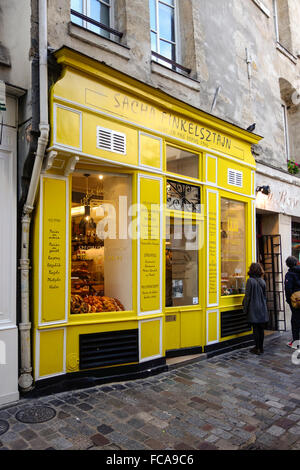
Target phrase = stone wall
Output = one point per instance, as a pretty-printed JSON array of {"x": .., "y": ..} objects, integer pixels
[{"x": 216, "y": 38}]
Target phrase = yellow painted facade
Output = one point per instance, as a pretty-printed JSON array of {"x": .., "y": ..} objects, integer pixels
[{"x": 90, "y": 98}]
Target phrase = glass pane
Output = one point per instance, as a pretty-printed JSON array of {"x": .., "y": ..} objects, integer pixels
[
  {"x": 94, "y": 13},
  {"x": 182, "y": 162},
  {"x": 77, "y": 6},
  {"x": 104, "y": 19},
  {"x": 183, "y": 197},
  {"x": 101, "y": 269},
  {"x": 152, "y": 9},
  {"x": 166, "y": 22},
  {"x": 181, "y": 263},
  {"x": 167, "y": 50},
  {"x": 233, "y": 247},
  {"x": 169, "y": 2},
  {"x": 153, "y": 42},
  {"x": 106, "y": 1}
]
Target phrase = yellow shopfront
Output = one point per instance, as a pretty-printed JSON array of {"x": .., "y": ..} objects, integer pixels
[{"x": 144, "y": 228}]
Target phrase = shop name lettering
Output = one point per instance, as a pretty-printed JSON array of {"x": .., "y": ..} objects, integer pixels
[{"x": 176, "y": 124}]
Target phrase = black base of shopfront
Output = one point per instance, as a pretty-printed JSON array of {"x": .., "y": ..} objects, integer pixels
[
  {"x": 228, "y": 346},
  {"x": 87, "y": 379},
  {"x": 183, "y": 352}
]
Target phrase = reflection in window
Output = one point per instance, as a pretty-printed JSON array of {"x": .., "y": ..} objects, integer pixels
[
  {"x": 233, "y": 247},
  {"x": 98, "y": 10},
  {"x": 163, "y": 25},
  {"x": 101, "y": 278},
  {"x": 183, "y": 197},
  {"x": 181, "y": 262},
  {"x": 182, "y": 162}
]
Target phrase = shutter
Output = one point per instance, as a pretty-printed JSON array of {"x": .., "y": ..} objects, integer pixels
[
  {"x": 111, "y": 141},
  {"x": 235, "y": 178}
]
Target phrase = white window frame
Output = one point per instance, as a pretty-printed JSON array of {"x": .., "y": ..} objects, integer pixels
[
  {"x": 276, "y": 23},
  {"x": 286, "y": 130},
  {"x": 86, "y": 9},
  {"x": 176, "y": 43}
]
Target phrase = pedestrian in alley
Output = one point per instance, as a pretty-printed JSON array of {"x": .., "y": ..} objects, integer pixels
[
  {"x": 292, "y": 285},
  {"x": 255, "y": 306}
]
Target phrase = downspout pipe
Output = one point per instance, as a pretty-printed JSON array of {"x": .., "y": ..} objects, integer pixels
[{"x": 26, "y": 377}]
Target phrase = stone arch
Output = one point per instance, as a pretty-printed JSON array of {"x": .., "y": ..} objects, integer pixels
[{"x": 291, "y": 114}]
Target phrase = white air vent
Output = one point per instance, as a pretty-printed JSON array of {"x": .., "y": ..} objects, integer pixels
[
  {"x": 111, "y": 141},
  {"x": 235, "y": 178}
]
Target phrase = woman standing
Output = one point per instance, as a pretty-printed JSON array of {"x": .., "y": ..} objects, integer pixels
[{"x": 255, "y": 305}]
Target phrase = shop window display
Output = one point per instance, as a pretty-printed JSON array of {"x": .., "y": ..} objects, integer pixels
[
  {"x": 181, "y": 262},
  {"x": 101, "y": 273},
  {"x": 233, "y": 247}
]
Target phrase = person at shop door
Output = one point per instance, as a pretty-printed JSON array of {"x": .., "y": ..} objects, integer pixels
[
  {"x": 255, "y": 306},
  {"x": 292, "y": 288}
]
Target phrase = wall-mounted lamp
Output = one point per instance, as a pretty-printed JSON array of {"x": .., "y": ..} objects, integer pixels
[{"x": 263, "y": 189}]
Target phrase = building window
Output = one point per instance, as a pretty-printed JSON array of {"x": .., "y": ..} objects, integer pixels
[
  {"x": 233, "y": 247},
  {"x": 101, "y": 256},
  {"x": 286, "y": 130},
  {"x": 101, "y": 11},
  {"x": 163, "y": 19},
  {"x": 282, "y": 24}
]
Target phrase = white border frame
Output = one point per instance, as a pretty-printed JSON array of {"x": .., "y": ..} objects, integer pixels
[
  {"x": 253, "y": 227},
  {"x": 38, "y": 355},
  {"x": 155, "y": 178},
  {"x": 212, "y": 191},
  {"x": 202, "y": 148},
  {"x": 157, "y": 356},
  {"x": 141, "y": 165},
  {"x": 217, "y": 311},
  {"x": 41, "y": 218},
  {"x": 58, "y": 105},
  {"x": 210, "y": 183}
]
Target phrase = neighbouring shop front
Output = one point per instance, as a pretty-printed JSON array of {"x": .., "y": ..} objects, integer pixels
[{"x": 144, "y": 227}]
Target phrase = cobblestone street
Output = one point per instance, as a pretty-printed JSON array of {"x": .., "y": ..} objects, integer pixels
[{"x": 234, "y": 401}]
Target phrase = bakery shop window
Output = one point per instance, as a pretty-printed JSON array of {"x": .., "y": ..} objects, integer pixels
[
  {"x": 182, "y": 262},
  {"x": 233, "y": 247},
  {"x": 101, "y": 266}
]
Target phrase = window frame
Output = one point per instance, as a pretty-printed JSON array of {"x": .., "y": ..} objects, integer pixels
[
  {"x": 286, "y": 130},
  {"x": 86, "y": 9},
  {"x": 176, "y": 43}
]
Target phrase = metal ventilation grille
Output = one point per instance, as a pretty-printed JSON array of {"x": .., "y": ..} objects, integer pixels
[
  {"x": 107, "y": 349},
  {"x": 111, "y": 141},
  {"x": 233, "y": 322},
  {"x": 235, "y": 178}
]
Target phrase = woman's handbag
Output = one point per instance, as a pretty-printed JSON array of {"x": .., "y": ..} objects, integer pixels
[{"x": 295, "y": 299}]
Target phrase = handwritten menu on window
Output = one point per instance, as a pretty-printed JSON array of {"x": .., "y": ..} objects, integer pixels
[
  {"x": 212, "y": 249},
  {"x": 54, "y": 250},
  {"x": 150, "y": 256}
]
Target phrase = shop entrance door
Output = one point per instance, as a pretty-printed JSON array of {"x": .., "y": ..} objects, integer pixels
[{"x": 270, "y": 256}]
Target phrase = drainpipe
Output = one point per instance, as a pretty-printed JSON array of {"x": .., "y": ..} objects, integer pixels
[{"x": 26, "y": 379}]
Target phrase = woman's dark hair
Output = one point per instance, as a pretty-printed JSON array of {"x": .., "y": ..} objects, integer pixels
[
  {"x": 256, "y": 270},
  {"x": 291, "y": 261}
]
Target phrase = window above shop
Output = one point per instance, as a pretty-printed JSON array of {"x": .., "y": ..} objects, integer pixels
[
  {"x": 97, "y": 16},
  {"x": 165, "y": 41}
]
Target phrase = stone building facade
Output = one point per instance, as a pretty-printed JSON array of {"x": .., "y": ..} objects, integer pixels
[
  {"x": 240, "y": 62},
  {"x": 243, "y": 61}
]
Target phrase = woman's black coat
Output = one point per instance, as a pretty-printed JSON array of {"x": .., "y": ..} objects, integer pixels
[{"x": 255, "y": 301}]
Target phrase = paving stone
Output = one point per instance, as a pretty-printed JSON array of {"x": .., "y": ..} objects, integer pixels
[
  {"x": 276, "y": 430},
  {"x": 99, "y": 440}
]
